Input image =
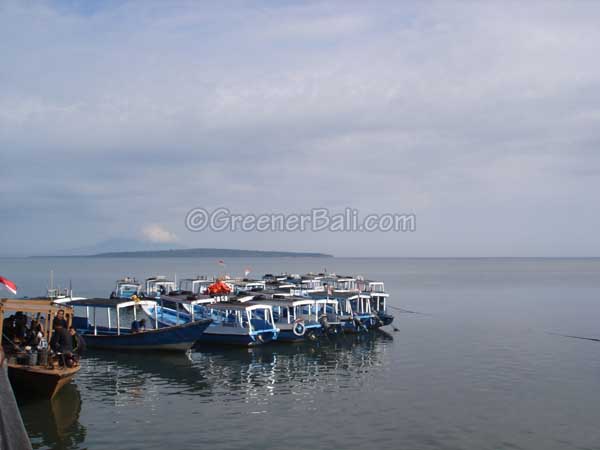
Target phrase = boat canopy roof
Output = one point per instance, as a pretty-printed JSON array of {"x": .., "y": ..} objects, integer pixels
[
  {"x": 31, "y": 305},
  {"x": 189, "y": 300},
  {"x": 285, "y": 302},
  {"x": 112, "y": 302},
  {"x": 343, "y": 295},
  {"x": 234, "y": 306}
]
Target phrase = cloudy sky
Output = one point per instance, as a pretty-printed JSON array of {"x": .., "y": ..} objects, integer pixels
[{"x": 482, "y": 118}]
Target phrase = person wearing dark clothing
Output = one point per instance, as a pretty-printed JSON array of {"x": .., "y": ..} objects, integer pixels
[
  {"x": 61, "y": 341},
  {"x": 8, "y": 327},
  {"x": 77, "y": 342},
  {"x": 35, "y": 334},
  {"x": 20, "y": 325},
  {"x": 59, "y": 321},
  {"x": 137, "y": 326}
]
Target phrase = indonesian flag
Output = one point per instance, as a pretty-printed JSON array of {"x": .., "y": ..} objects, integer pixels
[
  {"x": 12, "y": 287},
  {"x": 246, "y": 271},
  {"x": 221, "y": 262}
]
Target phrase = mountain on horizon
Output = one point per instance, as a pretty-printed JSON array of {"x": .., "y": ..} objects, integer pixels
[
  {"x": 208, "y": 252},
  {"x": 120, "y": 245}
]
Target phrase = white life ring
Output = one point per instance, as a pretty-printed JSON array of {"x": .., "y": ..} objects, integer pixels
[{"x": 299, "y": 329}]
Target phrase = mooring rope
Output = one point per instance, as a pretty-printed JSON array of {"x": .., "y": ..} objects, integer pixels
[
  {"x": 408, "y": 310},
  {"x": 575, "y": 337}
]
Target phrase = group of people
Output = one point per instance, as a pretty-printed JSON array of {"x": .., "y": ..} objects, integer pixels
[
  {"x": 17, "y": 331},
  {"x": 65, "y": 341}
]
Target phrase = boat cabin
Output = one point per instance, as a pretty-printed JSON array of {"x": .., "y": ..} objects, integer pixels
[
  {"x": 378, "y": 302},
  {"x": 126, "y": 288},
  {"x": 236, "y": 323},
  {"x": 345, "y": 284},
  {"x": 373, "y": 286},
  {"x": 246, "y": 285},
  {"x": 159, "y": 285},
  {"x": 197, "y": 286},
  {"x": 110, "y": 315}
]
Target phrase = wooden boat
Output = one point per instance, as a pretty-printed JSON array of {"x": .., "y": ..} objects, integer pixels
[
  {"x": 25, "y": 377},
  {"x": 44, "y": 381},
  {"x": 99, "y": 334}
]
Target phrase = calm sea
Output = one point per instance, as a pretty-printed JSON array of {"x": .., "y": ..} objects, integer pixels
[{"x": 478, "y": 370}]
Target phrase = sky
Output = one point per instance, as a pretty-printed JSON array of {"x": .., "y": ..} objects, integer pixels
[{"x": 480, "y": 118}]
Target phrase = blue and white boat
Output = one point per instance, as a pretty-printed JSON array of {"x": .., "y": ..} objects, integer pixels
[
  {"x": 237, "y": 322},
  {"x": 159, "y": 286},
  {"x": 355, "y": 310},
  {"x": 296, "y": 317},
  {"x": 195, "y": 286},
  {"x": 126, "y": 288},
  {"x": 178, "y": 309},
  {"x": 102, "y": 326},
  {"x": 309, "y": 284},
  {"x": 240, "y": 285},
  {"x": 304, "y": 318},
  {"x": 378, "y": 302}
]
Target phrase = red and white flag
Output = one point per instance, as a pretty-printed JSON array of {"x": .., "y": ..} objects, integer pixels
[
  {"x": 221, "y": 262},
  {"x": 246, "y": 271},
  {"x": 12, "y": 287}
]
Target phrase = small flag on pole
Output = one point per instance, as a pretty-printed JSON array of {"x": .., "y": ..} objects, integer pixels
[
  {"x": 221, "y": 262},
  {"x": 12, "y": 287},
  {"x": 246, "y": 271}
]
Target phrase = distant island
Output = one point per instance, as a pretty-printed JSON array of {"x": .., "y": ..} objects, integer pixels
[{"x": 208, "y": 253}]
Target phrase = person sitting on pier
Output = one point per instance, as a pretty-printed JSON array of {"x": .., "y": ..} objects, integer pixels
[{"x": 138, "y": 326}]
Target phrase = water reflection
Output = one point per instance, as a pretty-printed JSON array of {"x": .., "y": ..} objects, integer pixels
[
  {"x": 125, "y": 388},
  {"x": 232, "y": 372},
  {"x": 55, "y": 423}
]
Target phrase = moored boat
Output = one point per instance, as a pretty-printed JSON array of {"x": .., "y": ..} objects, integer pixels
[
  {"x": 41, "y": 373},
  {"x": 126, "y": 288},
  {"x": 158, "y": 286},
  {"x": 296, "y": 318},
  {"x": 378, "y": 302},
  {"x": 101, "y": 334},
  {"x": 238, "y": 323}
]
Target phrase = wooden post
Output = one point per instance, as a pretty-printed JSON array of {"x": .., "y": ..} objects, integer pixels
[
  {"x": 1, "y": 325},
  {"x": 49, "y": 326}
]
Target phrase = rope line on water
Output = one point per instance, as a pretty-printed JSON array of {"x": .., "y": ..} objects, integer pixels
[
  {"x": 408, "y": 310},
  {"x": 575, "y": 337}
]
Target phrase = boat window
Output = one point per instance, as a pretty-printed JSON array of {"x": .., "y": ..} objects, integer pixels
[
  {"x": 303, "y": 311},
  {"x": 260, "y": 320}
]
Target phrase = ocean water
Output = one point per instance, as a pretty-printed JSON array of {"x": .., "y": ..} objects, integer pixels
[{"x": 477, "y": 369}]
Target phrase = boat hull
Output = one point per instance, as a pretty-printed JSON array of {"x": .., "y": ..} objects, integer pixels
[
  {"x": 178, "y": 338},
  {"x": 39, "y": 381},
  {"x": 287, "y": 334},
  {"x": 234, "y": 339}
]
